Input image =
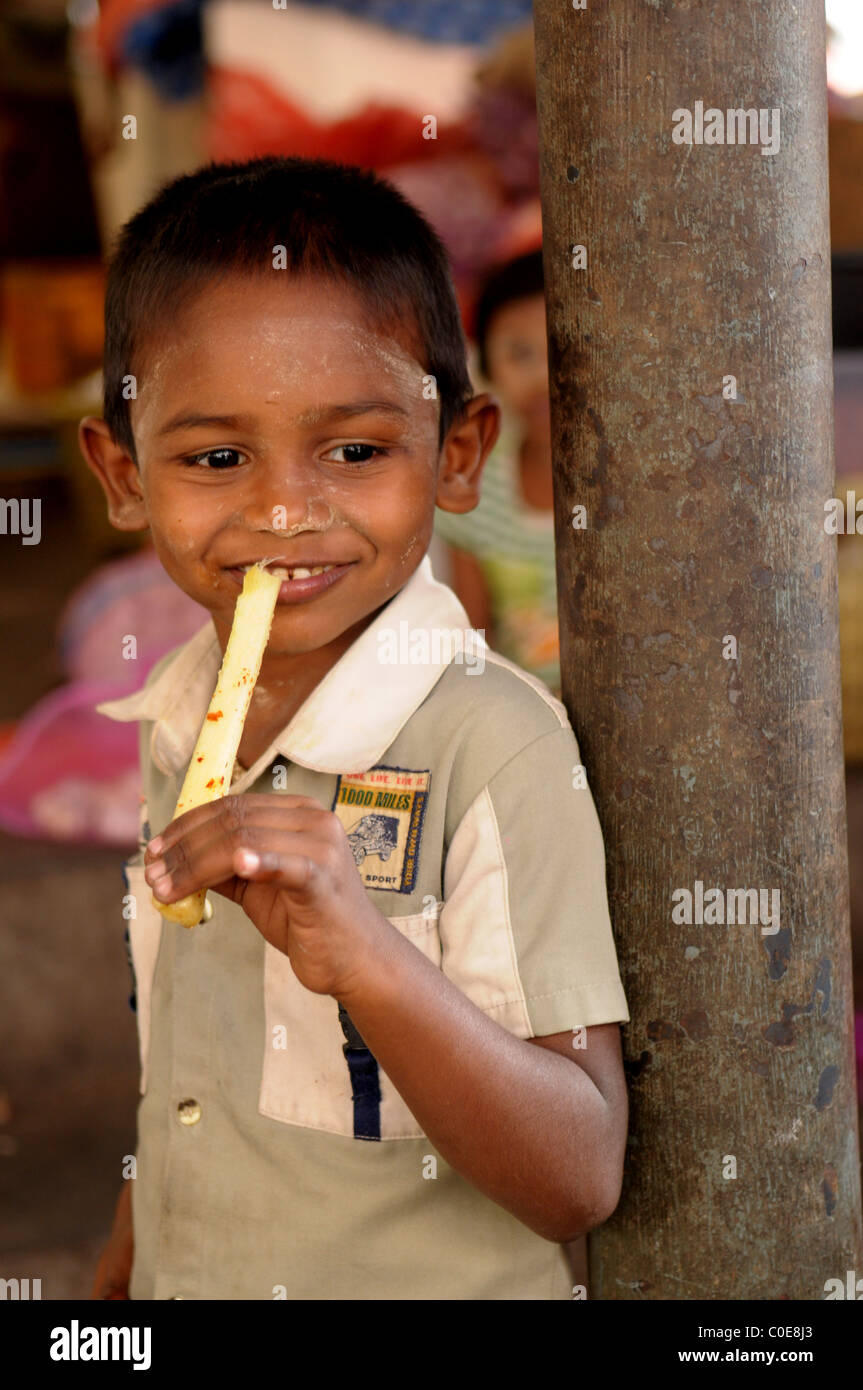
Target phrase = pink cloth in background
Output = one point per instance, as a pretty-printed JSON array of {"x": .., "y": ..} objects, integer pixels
[{"x": 69, "y": 773}]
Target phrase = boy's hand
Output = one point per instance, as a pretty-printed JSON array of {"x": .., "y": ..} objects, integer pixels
[
  {"x": 288, "y": 864},
  {"x": 115, "y": 1263}
]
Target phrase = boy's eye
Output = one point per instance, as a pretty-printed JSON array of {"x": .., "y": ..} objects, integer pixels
[
  {"x": 357, "y": 453},
  {"x": 217, "y": 458}
]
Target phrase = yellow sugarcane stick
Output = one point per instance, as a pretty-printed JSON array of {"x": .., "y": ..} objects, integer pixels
[{"x": 209, "y": 773}]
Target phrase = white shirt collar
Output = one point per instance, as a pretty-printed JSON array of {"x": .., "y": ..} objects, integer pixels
[{"x": 350, "y": 718}]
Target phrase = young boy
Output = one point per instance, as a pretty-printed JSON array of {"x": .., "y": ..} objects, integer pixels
[{"x": 389, "y": 1065}]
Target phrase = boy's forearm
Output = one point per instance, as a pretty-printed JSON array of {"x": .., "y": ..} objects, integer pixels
[{"x": 526, "y": 1125}]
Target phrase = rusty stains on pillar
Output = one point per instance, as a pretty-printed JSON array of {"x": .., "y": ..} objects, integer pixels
[{"x": 687, "y": 261}]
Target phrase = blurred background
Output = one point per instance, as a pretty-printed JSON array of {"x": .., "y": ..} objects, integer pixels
[{"x": 101, "y": 103}]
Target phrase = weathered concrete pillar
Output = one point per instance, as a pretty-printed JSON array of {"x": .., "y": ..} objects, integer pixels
[{"x": 690, "y": 364}]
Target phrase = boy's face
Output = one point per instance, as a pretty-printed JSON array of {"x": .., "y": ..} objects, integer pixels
[
  {"x": 275, "y": 424},
  {"x": 517, "y": 355}
]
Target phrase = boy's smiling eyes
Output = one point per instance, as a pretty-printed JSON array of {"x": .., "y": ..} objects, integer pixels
[
  {"x": 370, "y": 449},
  {"x": 222, "y": 455},
  {"x": 215, "y": 459}
]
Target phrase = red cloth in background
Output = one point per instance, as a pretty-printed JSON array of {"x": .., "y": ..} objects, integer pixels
[
  {"x": 453, "y": 181},
  {"x": 248, "y": 118}
]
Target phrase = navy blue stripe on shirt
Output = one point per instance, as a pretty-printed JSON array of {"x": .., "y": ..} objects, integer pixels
[{"x": 365, "y": 1081}]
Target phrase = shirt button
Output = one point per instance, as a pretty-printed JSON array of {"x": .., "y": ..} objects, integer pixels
[{"x": 188, "y": 1112}]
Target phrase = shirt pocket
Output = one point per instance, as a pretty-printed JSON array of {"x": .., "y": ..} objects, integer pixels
[
  {"x": 305, "y": 1079},
  {"x": 144, "y": 926}
]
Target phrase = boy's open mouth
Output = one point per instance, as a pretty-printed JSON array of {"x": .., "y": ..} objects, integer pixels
[{"x": 300, "y": 581}]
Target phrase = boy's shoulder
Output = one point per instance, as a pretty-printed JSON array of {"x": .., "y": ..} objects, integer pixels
[
  {"x": 501, "y": 696},
  {"x": 493, "y": 721}
]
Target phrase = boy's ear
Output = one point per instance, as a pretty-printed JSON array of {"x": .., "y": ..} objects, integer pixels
[
  {"x": 118, "y": 474},
  {"x": 465, "y": 450}
]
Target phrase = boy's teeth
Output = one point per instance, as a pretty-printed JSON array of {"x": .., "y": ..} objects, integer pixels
[{"x": 299, "y": 573}]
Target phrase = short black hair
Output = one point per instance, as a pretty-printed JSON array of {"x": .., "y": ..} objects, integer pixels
[
  {"x": 516, "y": 279},
  {"x": 334, "y": 220}
]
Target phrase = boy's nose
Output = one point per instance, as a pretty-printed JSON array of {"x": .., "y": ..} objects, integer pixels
[{"x": 286, "y": 499}]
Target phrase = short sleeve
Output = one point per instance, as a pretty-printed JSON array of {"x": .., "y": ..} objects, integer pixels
[{"x": 525, "y": 927}]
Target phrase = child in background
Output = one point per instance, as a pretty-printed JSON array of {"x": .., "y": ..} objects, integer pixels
[
  {"x": 502, "y": 553},
  {"x": 389, "y": 1065}
]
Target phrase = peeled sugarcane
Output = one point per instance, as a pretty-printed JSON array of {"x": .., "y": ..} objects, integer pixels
[{"x": 209, "y": 773}]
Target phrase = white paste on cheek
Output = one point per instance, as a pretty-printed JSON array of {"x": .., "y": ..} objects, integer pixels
[
  {"x": 263, "y": 698},
  {"x": 412, "y": 545}
]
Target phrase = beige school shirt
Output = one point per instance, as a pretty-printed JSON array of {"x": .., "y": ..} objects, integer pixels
[{"x": 455, "y": 776}]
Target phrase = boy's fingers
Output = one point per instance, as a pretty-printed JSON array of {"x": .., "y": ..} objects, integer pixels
[
  {"x": 208, "y": 860},
  {"x": 237, "y": 809},
  {"x": 296, "y": 872},
  {"x": 209, "y": 846}
]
